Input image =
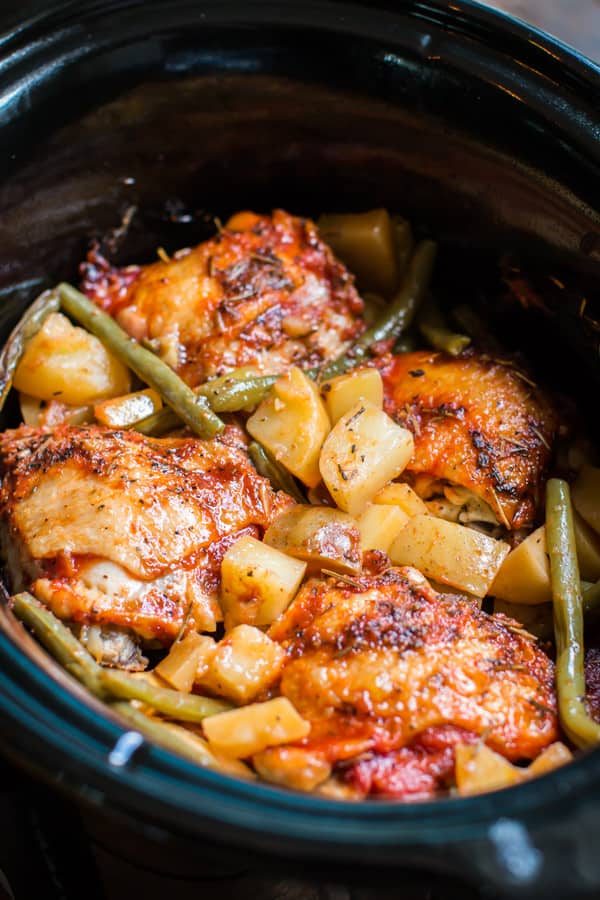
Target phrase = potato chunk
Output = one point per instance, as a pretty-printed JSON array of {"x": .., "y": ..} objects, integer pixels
[
  {"x": 243, "y": 732},
  {"x": 180, "y": 665},
  {"x": 524, "y": 576},
  {"x": 69, "y": 364},
  {"x": 292, "y": 767},
  {"x": 450, "y": 553},
  {"x": 399, "y": 494},
  {"x": 344, "y": 392},
  {"x": 479, "y": 770},
  {"x": 366, "y": 242},
  {"x": 258, "y": 582},
  {"x": 320, "y": 536},
  {"x": 587, "y": 542},
  {"x": 292, "y": 424},
  {"x": 123, "y": 411},
  {"x": 39, "y": 413},
  {"x": 379, "y": 525},
  {"x": 586, "y": 496},
  {"x": 245, "y": 663},
  {"x": 364, "y": 451}
]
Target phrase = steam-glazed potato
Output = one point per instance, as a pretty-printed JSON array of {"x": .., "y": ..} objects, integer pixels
[
  {"x": 364, "y": 451},
  {"x": 292, "y": 424},
  {"x": 292, "y": 767},
  {"x": 67, "y": 363},
  {"x": 479, "y": 770},
  {"x": 366, "y": 242},
  {"x": 524, "y": 576},
  {"x": 244, "y": 664},
  {"x": 379, "y": 524},
  {"x": 180, "y": 665},
  {"x": 585, "y": 494},
  {"x": 257, "y": 582},
  {"x": 450, "y": 553},
  {"x": 345, "y": 391},
  {"x": 399, "y": 494},
  {"x": 39, "y": 413},
  {"x": 587, "y": 542},
  {"x": 321, "y": 536},
  {"x": 243, "y": 732},
  {"x": 123, "y": 411}
]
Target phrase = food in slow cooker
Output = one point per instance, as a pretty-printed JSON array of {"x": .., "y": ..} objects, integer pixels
[{"x": 296, "y": 529}]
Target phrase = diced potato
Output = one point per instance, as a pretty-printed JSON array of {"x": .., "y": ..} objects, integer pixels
[
  {"x": 364, "y": 451},
  {"x": 245, "y": 663},
  {"x": 336, "y": 789},
  {"x": 366, "y": 242},
  {"x": 402, "y": 495},
  {"x": 585, "y": 494},
  {"x": 479, "y": 770},
  {"x": 243, "y": 732},
  {"x": 552, "y": 757},
  {"x": 524, "y": 576},
  {"x": 379, "y": 524},
  {"x": 258, "y": 582},
  {"x": 292, "y": 767},
  {"x": 452, "y": 554},
  {"x": 126, "y": 410},
  {"x": 196, "y": 747},
  {"x": 344, "y": 392},
  {"x": 46, "y": 413},
  {"x": 587, "y": 542},
  {"x": 180, "y": 665},
  {"x": 292, "y": 424},
  {"x": 321, "y": 536},
  {"x": 67, "y": 363}
]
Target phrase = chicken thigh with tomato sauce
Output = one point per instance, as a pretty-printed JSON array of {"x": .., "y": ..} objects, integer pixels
[
  {"x": 115, "y": 529},
  {"x": 395, "y": 670},
  {"x": 264, "y": 292},
  {"x": 477, "y": 423}
]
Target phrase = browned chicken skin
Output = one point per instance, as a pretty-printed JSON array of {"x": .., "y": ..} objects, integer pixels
[
  {"x": 116, "y": 528},
  {"x": 477, "y": 423},
  {"x": 380, "y": 666},
  {"x": 265, "y": 291}
]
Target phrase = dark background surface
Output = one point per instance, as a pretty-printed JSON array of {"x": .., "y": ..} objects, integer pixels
[{"x": 43, "y": 853}]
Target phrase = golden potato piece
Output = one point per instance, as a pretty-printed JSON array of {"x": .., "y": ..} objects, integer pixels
[
  {"x": 321, "y": 536},
  {"x": 524, "y": 576},
  {"x": 243, "y": 732},
  {"x": 245, "y": 663},
  {"x": 344, "y": 392}
]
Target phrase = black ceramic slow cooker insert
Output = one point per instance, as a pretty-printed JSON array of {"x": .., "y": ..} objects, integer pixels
[{"x": 483, "y": 131}]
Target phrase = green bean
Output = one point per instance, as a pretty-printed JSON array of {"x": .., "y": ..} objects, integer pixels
[
  {"x": 568, "y": 617},
  {"x": 279, "y": 476},
  {"x": 166, "y": 736},
  {"x": 398, "y": 315},
  {"x": 192, "y": 409},
  {"x": 404, "y": 242},
  {"x": 477, "y": 329},
  {"x": 60, "y": 641},
  {"x": 433, "y": 328},
  {"x": 174, "y": 704},
  {"x": 239, "y": 390},
  {"x": 28, "y": 325}
]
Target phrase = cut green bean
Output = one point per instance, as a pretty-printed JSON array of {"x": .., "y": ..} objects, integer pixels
[
  {"x": 279, "y": 476},
  {"x": 398, "y": 315},
  {"x": 568, "y": 617},
  {"x": 167, "y": 737},
  {"x": 59, "y": 641},
  {"x": 433, "y": 328},
  {"x": 191, "y": 408},
  {"x": 404, "y": 242},
  {"x": 28, "y": 325},
  {"x": 174, "y": 704},
  {"x": 477, "y": 329},
  {"x": 237, "y": 391}
]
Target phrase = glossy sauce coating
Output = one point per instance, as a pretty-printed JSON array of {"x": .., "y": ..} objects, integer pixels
[
  {"x": 373, "y": 668},
  {"x": 158, "y": 514},
  {"x": 478, "y": 423},
  {"x": 265, "y": 291}
]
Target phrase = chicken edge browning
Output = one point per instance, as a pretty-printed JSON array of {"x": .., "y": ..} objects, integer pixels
[{"x": 478, "y": 423}]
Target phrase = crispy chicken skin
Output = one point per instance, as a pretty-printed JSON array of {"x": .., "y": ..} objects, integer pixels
[
  {"x": 265, "y": 291},
  {"x": 392, "y": 667},
  {"x": 114, "y": 528},
  {"x": 477, "y": 423}
]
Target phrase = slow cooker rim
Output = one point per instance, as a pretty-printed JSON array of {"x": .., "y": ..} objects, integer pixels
[{"x": 452, "y": 818}]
